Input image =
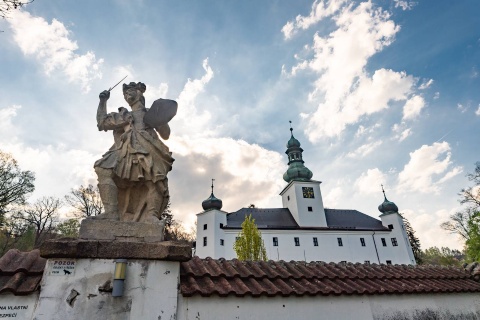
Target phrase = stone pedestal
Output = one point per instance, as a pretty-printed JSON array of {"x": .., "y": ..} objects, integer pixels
[
  {"x": 92, "y": 229},
  {"x": 84, "y": 290}
]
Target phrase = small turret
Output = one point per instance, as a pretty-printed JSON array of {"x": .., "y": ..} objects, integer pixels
[
  {"x": 387, "y": 207},
  {"x": 212, "y": 202}
]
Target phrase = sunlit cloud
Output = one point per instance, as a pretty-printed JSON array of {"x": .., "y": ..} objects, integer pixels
[{"x": 51, "y": 45}]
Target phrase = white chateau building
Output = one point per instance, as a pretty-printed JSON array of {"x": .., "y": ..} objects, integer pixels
[{"x": 303, "y": 229}]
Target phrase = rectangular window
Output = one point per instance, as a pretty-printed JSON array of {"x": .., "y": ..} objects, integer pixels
[
  {"x": 297, "y": 241},
  {"x": 205, "y": 226},
  {"x": 384, "y": 242},
  {"x": 340, "y": 243},
  {"x": 389, "y": 261},
  {"x": 275, "y": 241},
  {"x": 221, "y": 225},
  {"x": 390, "y": 226},
  {"x": 315, "y": 241},
  {"x": 362, "y": 241},
  {"x": 310, "y": 209},
  {"x": 288, "y": 198},
  {"x": 394, "y": 242},
  {"x": 222, "y": 242},
  {"x": 204, "y": 241},
  {"x": 367, "y": 261}
]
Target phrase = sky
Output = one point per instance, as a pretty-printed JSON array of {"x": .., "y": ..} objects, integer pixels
[{"x": 378, "y": 92}]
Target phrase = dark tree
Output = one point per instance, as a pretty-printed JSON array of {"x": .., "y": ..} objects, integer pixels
[
  {"x": 6, "y": 6},
  {"x": 85, "y": 201},
  {"x": 42, "y": 216},
  {"x": 412, "y": 238},
  {"x": 15, "y": 184}
]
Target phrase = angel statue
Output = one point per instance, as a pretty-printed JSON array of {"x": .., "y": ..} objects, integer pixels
[{"x": 132, "y": 175}]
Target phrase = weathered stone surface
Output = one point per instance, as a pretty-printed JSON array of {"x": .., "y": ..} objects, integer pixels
[
  {"x": 105, "y": 249},
  {"x": 91, "y": 229},
  {"x": 132, "y": 176}
]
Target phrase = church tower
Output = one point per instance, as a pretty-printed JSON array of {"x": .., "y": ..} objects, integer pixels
[{"x": 302, "y": 195}]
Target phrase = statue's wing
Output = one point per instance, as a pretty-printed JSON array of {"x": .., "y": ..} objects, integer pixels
[{"x": 162, "y": 111}]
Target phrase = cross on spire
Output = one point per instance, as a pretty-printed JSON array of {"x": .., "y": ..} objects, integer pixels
[
  {"x": 383, "y": 190},
  {"x": 291, "y": 129},
  {"x": 212, "y": 185}
]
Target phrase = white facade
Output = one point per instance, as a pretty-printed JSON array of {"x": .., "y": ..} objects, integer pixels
[
  {"x": 377, "y": 307},
  {"x": 313, "y": 239}
]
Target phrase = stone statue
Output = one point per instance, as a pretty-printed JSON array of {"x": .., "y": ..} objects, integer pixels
[{"x": 132, "y": 175}]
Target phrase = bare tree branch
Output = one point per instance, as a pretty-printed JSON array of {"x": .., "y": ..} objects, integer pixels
[
  {"x": 42, "y": 215},
  {"x": 7, "y": 6},
  {"x": 86, "y": 201}
]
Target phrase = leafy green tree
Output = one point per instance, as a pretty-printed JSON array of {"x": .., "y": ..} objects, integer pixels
[
  {"x": 414, "y": 241},
  {"x": 15, "y": 184},
  {"x": 442, "y": 257},
  {"x": 249, "y": 244},
  {"x": 69, "y": 228},
  {"x": 472, "y": 244}
]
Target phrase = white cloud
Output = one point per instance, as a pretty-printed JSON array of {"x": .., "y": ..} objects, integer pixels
[
  {"x": 426, "y": 224},
  {"x": 478, "y": 111},
  {"x": 364, "y": 150},
  {"x": 426, "y": 84},
  {"x": 344, "y": 88},
  {"x": 428, "y": 168},
  {"x": 436, "y": 95},
  {"x": 404, "y": 134},
  {"x": 320, "y": 10},
  {"x": 333, "y": 197},
  {"x": 50, "y": 44},
  {"x": 401, "y": 132},
  {"x": 412, "y": 107},
  {"x": 364, "y": 130},
  {"x": 369, "y": 182},
  {"x": 405, "y": 5},
  {"x": 190, "y": 119},
  {"x": 462, "y": 108}
]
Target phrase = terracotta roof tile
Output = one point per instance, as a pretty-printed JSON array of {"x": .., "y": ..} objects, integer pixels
[
  {"x": 21, "y": 272},
  {"x": 222, "y": 277}
]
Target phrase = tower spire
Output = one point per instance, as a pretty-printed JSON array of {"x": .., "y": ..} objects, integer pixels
[
  {"x": 212, "y": 185},
  {"x": 296, "y": 168}
]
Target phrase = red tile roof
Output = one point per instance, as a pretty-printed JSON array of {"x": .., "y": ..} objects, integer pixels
[
  {"x": 21, "y": 272},
  {"x": 207, "y": 277}
]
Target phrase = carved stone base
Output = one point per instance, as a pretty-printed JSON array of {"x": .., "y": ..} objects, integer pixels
[{"x": 92, "y": 229}]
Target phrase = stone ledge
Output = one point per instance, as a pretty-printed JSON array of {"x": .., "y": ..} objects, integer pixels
[
  {"x": 104, "y": 249},
  {"x": 93, "y": 229}
]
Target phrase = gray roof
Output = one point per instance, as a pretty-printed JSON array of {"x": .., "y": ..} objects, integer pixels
[
  {"x": 351, "y": 219},
  {"x": 281, "y": 218},
  {"x": 264, "y": 218}
]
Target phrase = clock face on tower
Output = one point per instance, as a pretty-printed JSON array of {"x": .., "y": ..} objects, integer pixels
[{"x": 308, "y": 192}]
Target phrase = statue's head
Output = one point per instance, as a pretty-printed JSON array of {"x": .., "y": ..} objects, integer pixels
[{"x": 133, "y": 92}]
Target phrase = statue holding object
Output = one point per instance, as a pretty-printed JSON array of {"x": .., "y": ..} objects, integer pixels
[{"x": 132, "y": 175}]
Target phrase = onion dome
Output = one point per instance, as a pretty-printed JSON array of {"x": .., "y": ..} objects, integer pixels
[
  {"x": 296, "y": 168},
  {"x": 293, "y": 142},
  {"x": 212, "y": 202},
  {"x": 387, "y": 206}
]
